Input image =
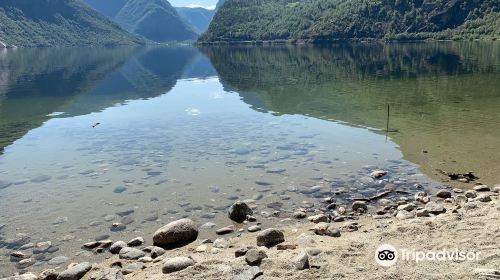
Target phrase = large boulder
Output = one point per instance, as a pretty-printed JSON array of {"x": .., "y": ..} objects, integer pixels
[
  {"x": 75, "y": 272},
  {"x": 176, "y": 233},
  {"x": 239, "y": 211},
  {"x": 270, "y": 237}
]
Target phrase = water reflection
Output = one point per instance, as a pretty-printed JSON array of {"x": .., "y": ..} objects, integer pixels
[
  {"x": 444, "y": 95},
  {"x": 36, "y": 85}
]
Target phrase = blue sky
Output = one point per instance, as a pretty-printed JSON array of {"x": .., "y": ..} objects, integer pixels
[{"x": 184, "y": 3}]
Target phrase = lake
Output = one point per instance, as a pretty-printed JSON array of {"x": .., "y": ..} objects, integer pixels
[{"x": 114, "y": 143}]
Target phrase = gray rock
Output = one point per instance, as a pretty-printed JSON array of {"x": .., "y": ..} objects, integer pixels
[
  {"x": 249, "y": 274},
  {"x": 177, "y": 264},
  {"x": 176, "y": 233},
  {"x": 470, "y": 194},
  {"x": 75, "y": 272},
  {"x": 481, "y": 188},
  {"x": 107, "y": 274},
  {"x": 422, "y": 213},
  {"x": 326, "y": 229},
  {"x": 299, "y": 215},
  {"x": 377, "y": 174},
  {"x": 224, "y": 230},
  {"x": 58, "y": 260},
  {"x": 435, "y": 208},
  {"x": 319, "y": 218},
  {"x": 119, "y": 189},
  {"x": 241, "y": 252},
  {"x": 138, "y": 241},
  {"x": 239, "y": 211},
  {"x": 254, "y": 228},
  {"x": 254, "y": 256},
  {"x": 483, "y": 198},
  {"x": 302, "y": 261},
  {"x": 443, "y": 194},
  {"x": 117, "y": 246},
  {"x": 407, "y": 207},
  {"x": 156, "y": 252},
  {"x": 133, "y": 267},
  {"x": 422, "y": 197},
  {"x": 359, "y": 206},
  {"x": 404, "y": 215},
  {"x": 131, "y": 253},
  {"x": 26, "y": 276},
  {"x": 48, "y": 274},
  {"x": 221, "y": 243},
  {"x": 496, "y": 188},
  {"x": 270, "y": 237}
]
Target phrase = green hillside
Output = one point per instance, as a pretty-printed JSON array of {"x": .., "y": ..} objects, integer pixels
[
  {"x": 198, "y": 18},
  {"x": 155, "y": 20},
  {"x": 248, "y": 20},
  {"x": 29, "y": 23},
  {"x": 109, "y": 8}
]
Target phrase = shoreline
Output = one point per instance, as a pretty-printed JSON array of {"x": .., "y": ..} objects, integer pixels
[{"x": 336, "y": 241}]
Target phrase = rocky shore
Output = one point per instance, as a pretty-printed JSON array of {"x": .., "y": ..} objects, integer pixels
[{"x": 336, "y": 240}]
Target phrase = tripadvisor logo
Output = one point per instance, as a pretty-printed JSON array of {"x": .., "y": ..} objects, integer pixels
[{"x": 387, "y": 255}]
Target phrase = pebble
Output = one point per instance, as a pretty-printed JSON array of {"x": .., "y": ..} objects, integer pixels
[
  {"x": 326, "y": 229},
  {"x": 470, "y": 194},
  {"x": 254, "y": 228},
  {"x": 156, "y": 252},
  {"x": 483, "y": 198},
  {"x": 443, "y": 194},
  {"x": 302, "y": 261},
  {"x": 117, "y": 246},
  {"x": 131, "y": 253},
  {"x": 359, "y": 206},
  {"x": 422, "y": 213},
  {"x": 319, "y": 218},
  {"x": 48, "y": 274},
  {"x": 138, "y": 241},
  {"x": 107, "y": 274},
  {"x": 119, "y": 189},
  {"x": 377, "y": 174},
  {"x": 404, "y": 215},
  {"x": 254, "y": 256},
  {"x": 239, "y": 211},
  {"x": 75, "y": 272},
  {"x": 250, "y": 274},
  {"x": 145, "y": 260},
  {"x": 270, "y": 237},
  {"x": 221, "y": 243},
  {"x": 133, "y": 267},
  {"x": 407, "y": 207},
  {"x": 224, "y": 230},
  {"x": 481, "y": 188},
  {"x": 58, "y": 260},
  {"x": 299, "y": 215},
  {"x": 177, "y": 264},
  {"x": 435, "y": 208},
  {"x": 422, "y": 197},
  {"x": 202, "y": 248},
  {"x": 240, "y": 252}
]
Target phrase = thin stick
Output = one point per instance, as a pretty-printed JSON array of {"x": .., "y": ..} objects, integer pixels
[{"x": 388, "y": 116}]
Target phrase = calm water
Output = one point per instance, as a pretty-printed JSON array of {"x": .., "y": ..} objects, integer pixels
[{"x": 185, "y": 132}]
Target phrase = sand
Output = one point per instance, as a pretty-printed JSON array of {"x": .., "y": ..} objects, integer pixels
[{"x": 475, "y": 227}]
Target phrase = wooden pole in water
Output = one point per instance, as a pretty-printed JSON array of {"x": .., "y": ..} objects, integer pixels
[{"x": 388, "y": 116}]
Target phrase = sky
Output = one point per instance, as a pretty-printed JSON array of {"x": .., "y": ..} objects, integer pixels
[{"x": 194, "y": 3}]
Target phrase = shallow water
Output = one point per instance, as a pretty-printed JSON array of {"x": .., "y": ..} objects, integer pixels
[{"x": 185, "y": 132}]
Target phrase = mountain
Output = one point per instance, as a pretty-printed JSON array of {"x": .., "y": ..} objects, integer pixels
[
  {"x": 155, "y": 20},
  {"x": 198, "y": 18},
  {"x": 29, "y": 23},
  {"x": 249, "y": 20},
  {"x": 109, "y": 8}
]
